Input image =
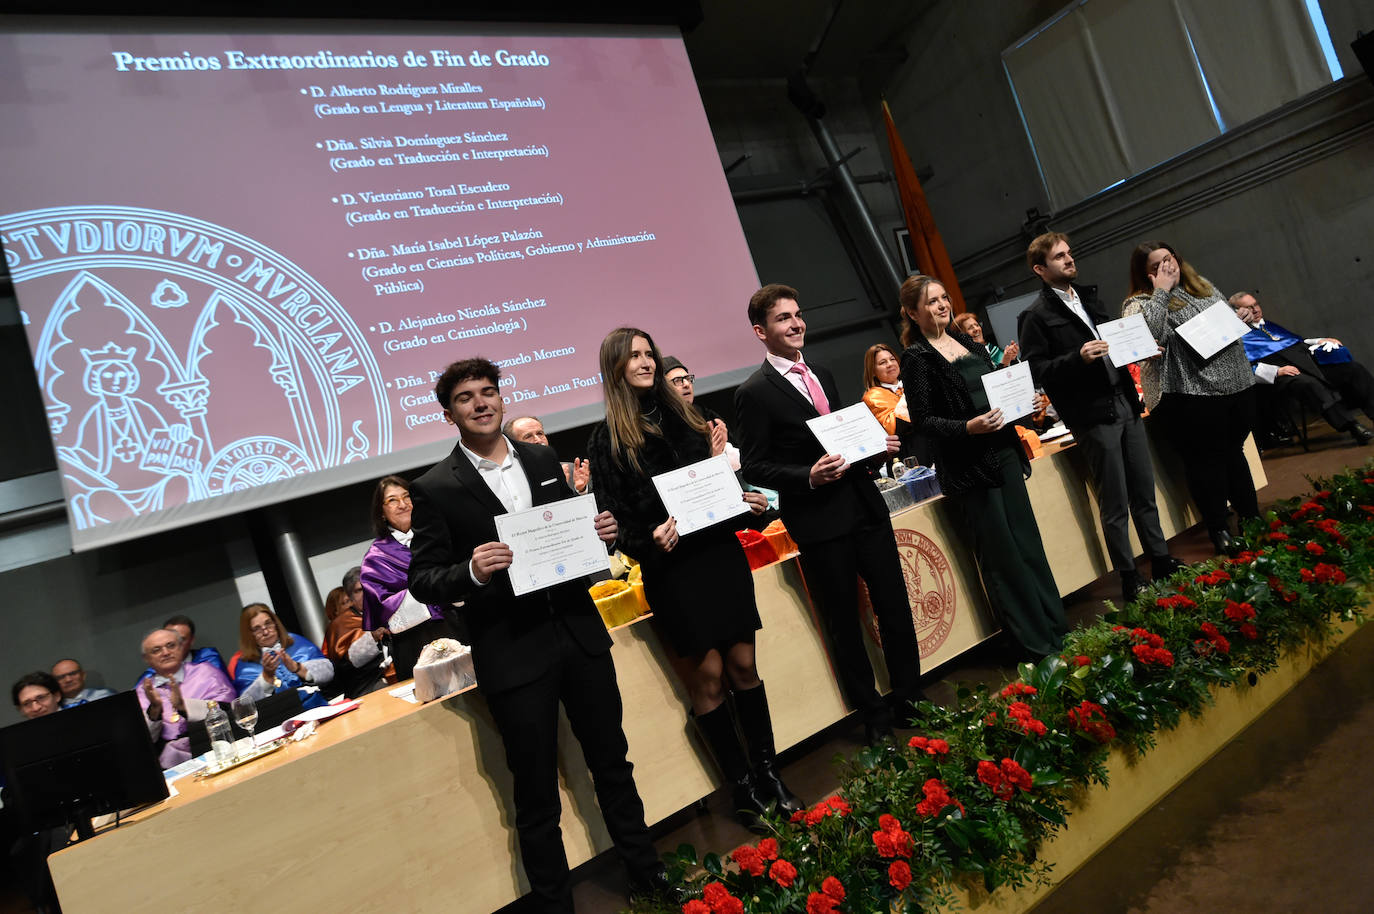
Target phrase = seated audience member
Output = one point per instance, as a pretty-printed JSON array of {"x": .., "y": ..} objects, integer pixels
[
  {"x": 1318, "y": 371},
  {"x": 967, "y": 322},
  {"x": 335, "y": 602},
  {"x": 270, "y": 658},
  {"x": 72, "y": 680},
  {"x": 883, "y": 386},
  {"x": 176, "y": 692},
  {"x": 36, "y": 695},
  {"x": 183, "y": 626},
  {"x": 531, "y": 431},
  {"x": 386, "y": 596},
  {"x": 362, "y": 660}
]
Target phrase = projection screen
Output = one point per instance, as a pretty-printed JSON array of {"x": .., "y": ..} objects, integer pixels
[{"x": 242, "y": 258}]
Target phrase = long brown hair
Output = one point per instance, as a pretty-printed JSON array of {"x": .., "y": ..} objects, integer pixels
[
  {"x": 335, "y": 603},
  {"x": 871, "y": 363},
  {"x": 624, "y": 418},
  {"x": 1189, "y": 279},
  {"x": 248, "y": 645},
  {"x": 912, "y": 296}
]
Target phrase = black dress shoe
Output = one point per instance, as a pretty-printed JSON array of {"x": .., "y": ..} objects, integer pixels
[
  {"x": 1131, "y": 585},
  {"x": 769, "y": 786},
  {"x": 879, "y": 735},
  {"x": 750, "y": 804},
  {"x": 656, "y": 884},
  {"x": 1359, "y": 434},
  {"x": 1163, "y": 566},
  {"x": 1221, "y": 541}
]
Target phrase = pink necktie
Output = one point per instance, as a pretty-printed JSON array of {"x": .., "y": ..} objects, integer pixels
[{"x": 813, "y": 387}]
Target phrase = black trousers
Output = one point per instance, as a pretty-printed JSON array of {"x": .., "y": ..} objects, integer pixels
[
  {"x": 832, "y": 569},
  {"x": 527, "y": 718},
  {"x": 1123, "y": 481},
  {"x": 1209, "y": 435},
  {"x": 1355, "y": 383}
]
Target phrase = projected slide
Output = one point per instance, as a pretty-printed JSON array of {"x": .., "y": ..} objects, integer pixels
[{"x": 243, "y": 259}]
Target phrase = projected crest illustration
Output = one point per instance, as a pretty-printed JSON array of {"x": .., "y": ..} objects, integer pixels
[{"x": 179, "y": 360}]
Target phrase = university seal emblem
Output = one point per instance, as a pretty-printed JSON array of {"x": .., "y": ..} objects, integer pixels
[
  {"x": 929, "y": 587},
  {"x": 179, "y": 360}
]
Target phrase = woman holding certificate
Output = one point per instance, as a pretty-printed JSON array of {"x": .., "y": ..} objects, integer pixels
[
  {"x": 980, "y": 465},
  {"x": 1205, "y": 404},
  {"x": 697, "y": 583}
]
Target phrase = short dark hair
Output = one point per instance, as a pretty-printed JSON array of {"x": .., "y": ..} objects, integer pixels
[
  {"x": 1037, "y": 255},
  {"x": 464, "y": 370},
  {"x": 352, "y": 577},
  {"x": 764, "y": 299},
  {"x": 36, "y": 678},
  {"x": 380, "y": 527},
  {"x": 179, "y": 619}
]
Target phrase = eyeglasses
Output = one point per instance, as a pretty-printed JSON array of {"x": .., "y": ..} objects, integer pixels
[
  {"x": 36, "y": 701},
  {"x": 158, "y": 650},
  {"x": 265, "y": 629},
  {"x": 395, "y": 501},
  {"x": 682, "y": 380}
]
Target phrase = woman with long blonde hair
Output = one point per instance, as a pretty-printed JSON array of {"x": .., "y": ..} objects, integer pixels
[{"x": 699, "y": 585}]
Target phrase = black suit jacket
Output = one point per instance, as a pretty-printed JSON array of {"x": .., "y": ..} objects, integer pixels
[
  {"x": 1051, "y": 336},
  {"x": 777, "y": 450},
  {"x": 513, "y": 638}
]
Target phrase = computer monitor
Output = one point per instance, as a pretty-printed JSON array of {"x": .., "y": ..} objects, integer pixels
[{"x": 68, "y": 767}]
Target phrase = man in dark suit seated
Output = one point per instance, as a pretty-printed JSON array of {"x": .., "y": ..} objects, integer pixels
[
  {"x": 1319, "y": 372},
  {"x": 831, "y": 508},
  {"x": 531, "y": 652}
]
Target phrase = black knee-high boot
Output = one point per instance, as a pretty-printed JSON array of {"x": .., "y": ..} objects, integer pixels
[
  {"x": 757, "y": 725},
  {"x": 717, "y": 728}
]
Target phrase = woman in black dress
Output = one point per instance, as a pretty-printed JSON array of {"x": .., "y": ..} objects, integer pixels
[
  {"x": 980, "y": 465},
  {"x": 699, "y": 586}
]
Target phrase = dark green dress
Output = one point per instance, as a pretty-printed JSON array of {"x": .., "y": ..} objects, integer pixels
[{"x": 1000, "y": 526}]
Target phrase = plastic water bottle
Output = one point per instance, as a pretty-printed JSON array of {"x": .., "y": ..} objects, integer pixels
[{"x": 221, "y": 737}]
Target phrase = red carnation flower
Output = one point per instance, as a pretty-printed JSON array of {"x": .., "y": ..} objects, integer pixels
[
  {"x": 696, "y": 906},
  {"x": 768, "y": 848},
  {"x": 1018, "y": 688},
  {"x": 714, "y": 893},
  {"x": 1082, "y": 660},
  {"x": 1315, "y": 549},
  {"x": 899, "y": 875},
  {"x": 838, "y": 806},
  {"x": 749, "y": 859},
  {"x": 819, "y": 903},
  {"x": 1249, "y": 631},
  {"x": 783, "y": 873},
  {"x": 731, "y": 905},
  {"x": 833, "y": 887}
]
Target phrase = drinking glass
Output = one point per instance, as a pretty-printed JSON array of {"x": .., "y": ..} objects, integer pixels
[{"x": 246, "y": 716}]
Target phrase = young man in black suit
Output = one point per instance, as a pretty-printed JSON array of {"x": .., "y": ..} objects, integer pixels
[
  {"x": 1098, "y": 403},
  {"x": 831, "y": 508},
  {"x": 533, "y": 651}
]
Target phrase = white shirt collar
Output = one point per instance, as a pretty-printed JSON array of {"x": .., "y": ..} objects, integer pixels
[
  {"x": 403, "y": 538},
  {"x": 782, "y": 363},
  {"x": 179, "y": 676},
  {"x": 895, "y": 388},
  {"x": 482, "y": 463}
]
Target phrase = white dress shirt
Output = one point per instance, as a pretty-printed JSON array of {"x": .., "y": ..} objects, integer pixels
[
  {"x": 507, "y": 481},
  {"x": 795, "y": 378},
  {"x": 1075, "y": 304}
]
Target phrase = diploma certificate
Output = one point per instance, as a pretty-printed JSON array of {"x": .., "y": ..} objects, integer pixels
[
  {"x": 1011, "y": 390},
  {"x": 853, "y": 433},
  {"x": 1129, "y": 338},
  {"x": 701, "y": 494},
  {"x": 1212, "y": 330},
  {"x": 552, "y": 543}
]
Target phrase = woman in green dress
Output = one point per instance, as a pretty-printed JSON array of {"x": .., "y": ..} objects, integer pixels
[{"x": 980, "y": 465}]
